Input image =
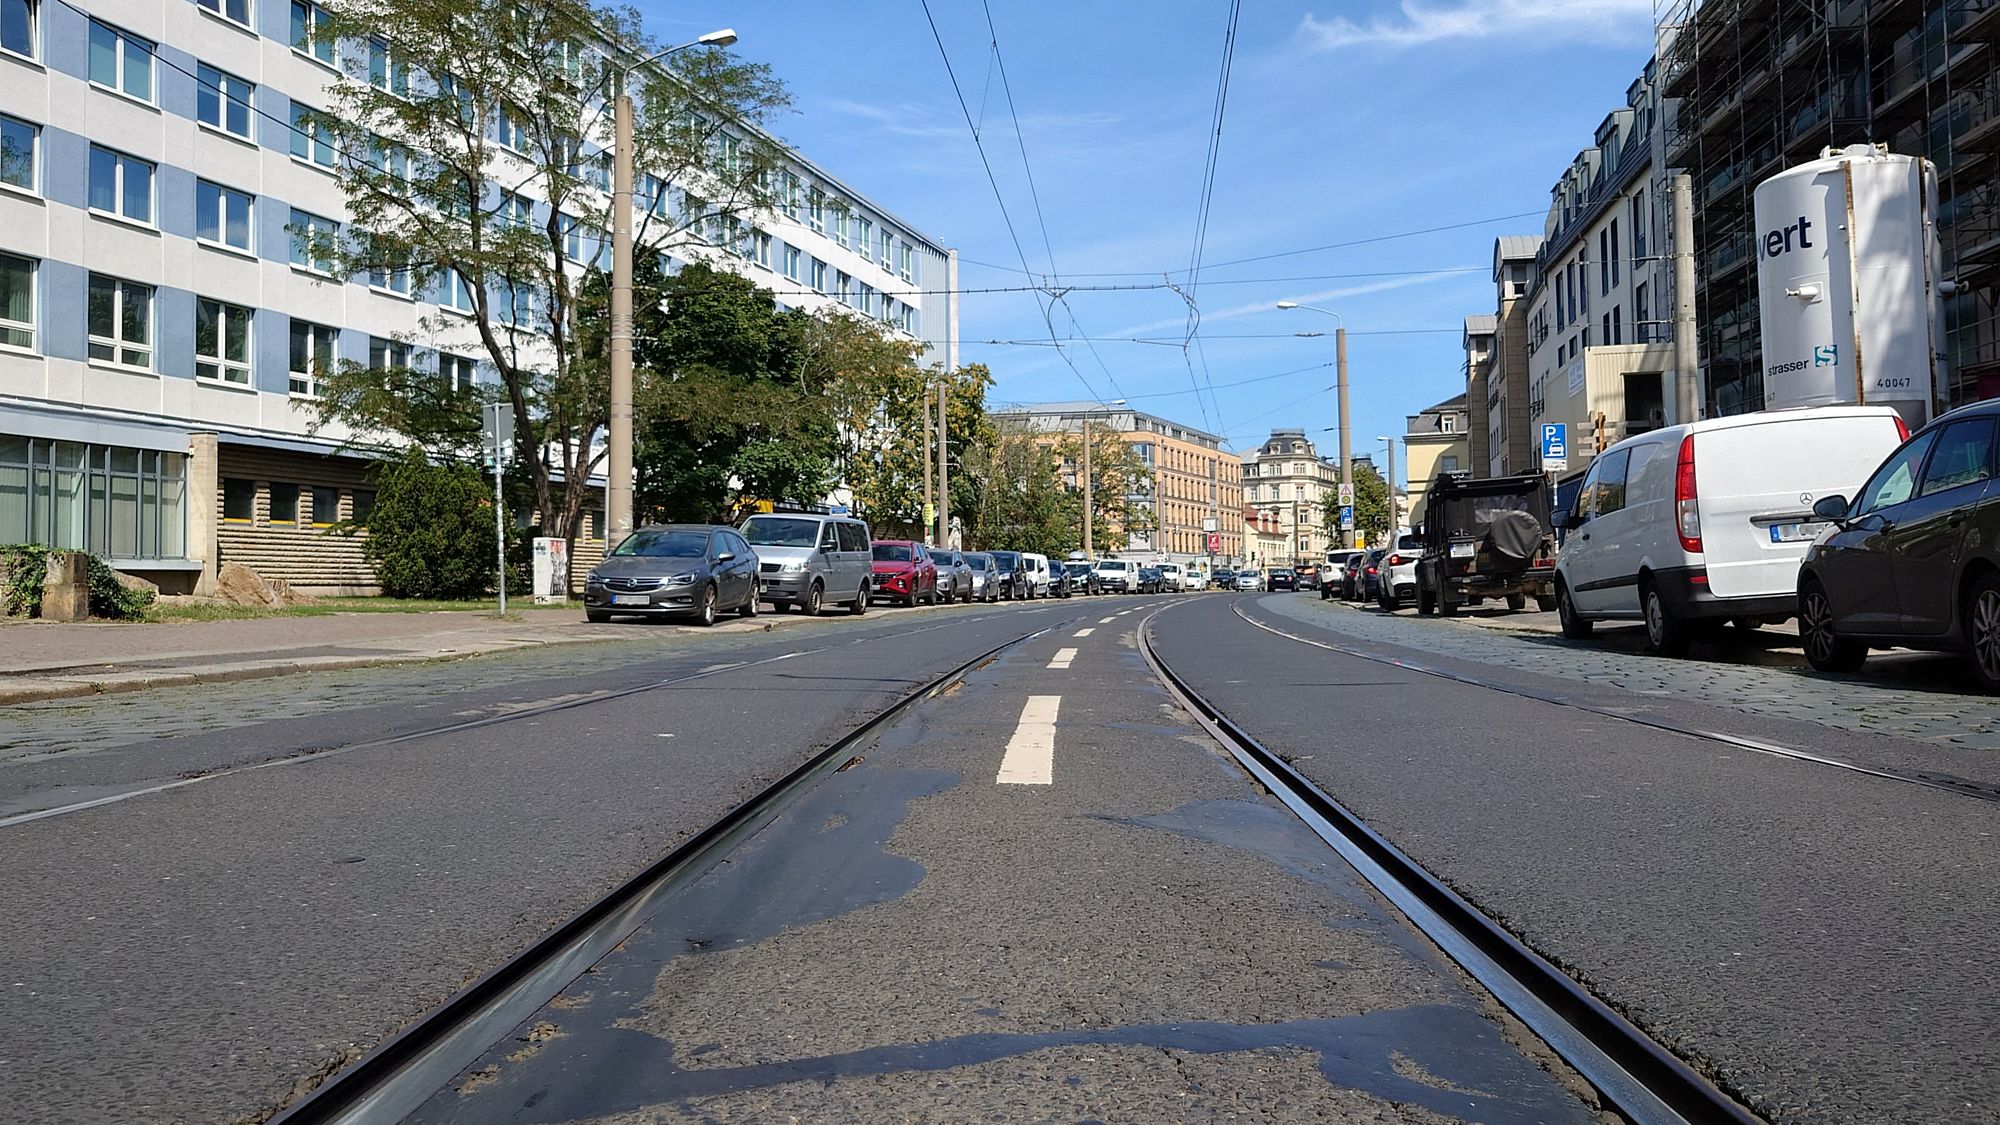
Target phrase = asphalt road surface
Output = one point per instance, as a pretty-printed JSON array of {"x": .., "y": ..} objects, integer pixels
[{"x": 1043, "y": 894}]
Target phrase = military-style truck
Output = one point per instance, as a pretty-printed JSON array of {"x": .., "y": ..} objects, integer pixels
[{"x": 1484, "y": 539}]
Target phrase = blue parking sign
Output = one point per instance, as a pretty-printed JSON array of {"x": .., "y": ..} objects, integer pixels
[
  {"x": 1347, "y": 515},
  {"x": 1555, "y": 441}
]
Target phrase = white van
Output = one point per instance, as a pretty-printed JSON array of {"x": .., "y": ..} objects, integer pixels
[
  {"x": 1706, "y": 522},
  {"x": 1035, "y": 569},
  {"x": 1172, "y": 579}
]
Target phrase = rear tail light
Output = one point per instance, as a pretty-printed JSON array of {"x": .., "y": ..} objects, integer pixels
[
  {"x": 1902, "y": 429},
  {"x": 1686, "y": 502}
]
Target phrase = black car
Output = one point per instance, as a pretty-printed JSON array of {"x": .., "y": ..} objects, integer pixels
[
  {"x": 1151, "y": 580},
  {"x": 1281, "y": 578},
  {"x": 1913, "y": 561},
  {"x": 1083, "y": 577},
  {"x": 1059, "y": 580},
  {"x": 1350, "y": 576},
  {"x": 1007, "y": 568},
  {"x": 674, "y": 570}
]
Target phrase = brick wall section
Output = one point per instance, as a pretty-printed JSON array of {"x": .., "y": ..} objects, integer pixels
[{"x": 309, "y": 558}]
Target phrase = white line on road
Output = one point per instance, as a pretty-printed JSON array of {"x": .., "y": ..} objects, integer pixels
[
  {"x": 1031, "y": 753},
  {"x": 1082, "y": 633},
  {"x": 1107, "y": 620},
  {"x": 1062, "y": 658}
]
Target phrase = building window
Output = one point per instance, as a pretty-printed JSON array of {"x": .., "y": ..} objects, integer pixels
[
  {"x": 222, "y": 215},
  {"x": 760, "y": 248},
  {"x": 1642, "y": 328},
  {"x": 235, "y": 11},
  {"x": 112, "y": 501},
  {"x": 309, "y": 32},
  {"x": 1638, "y": 226},
  {"x": 284, "y": 502},
  {"x": 818, "y": 276},
  {"x": 517, "y": 211},
  {"x": 1603, "y": 262},
  {"x": 453, "y": 291},
  {"x": 325, "y": 505},
  {"x": 515, "y": 303},
  {"x": 1447, "y": 423},
  {"x": 120, "y": 316},
  {"x": 18, "y": 142},
  {"x": 362, "y": 505},
  {"x": 239, "y": 500},
  {"x": 17, "y": 302},
  {"x": 843, "y": 288},
  {"x": 864, "y": 237},
  {"x": 388, "y": 355},
  {"x": 1613, "y": 256},
  {"x": 816, "y": 209},
  {"x": 121, "y": 185},
  {"x": 791, "y": 259},
  {"x": 510, "y": 129},
  {"x": 222, "y": 101},
  {"x": 121, "y": 62},
  {"x": 311, "y": 357},
  {"x": 904, "y": 267},
  {"x": 1616, "y": 333},
  {"x": 456, "y": 372},
  {"x": 20, "y": 32},
  {"x": 885, "y": 248},
  {"x": 221, "y": 342},
  {"x": 388, "y": 69},
  {"x": 389, "y": 266},
  {"x": 312, "y": 141},
  {"x": 312, "y": 242}
]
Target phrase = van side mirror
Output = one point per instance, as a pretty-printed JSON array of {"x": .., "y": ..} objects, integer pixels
[{"x": 1832, "y": 509}]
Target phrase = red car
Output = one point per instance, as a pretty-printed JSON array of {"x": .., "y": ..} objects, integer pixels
[{"x": 904, "y": 571}]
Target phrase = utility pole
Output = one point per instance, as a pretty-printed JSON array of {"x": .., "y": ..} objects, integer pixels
[
  {"x": 928, "y": 481},
  {"x": 1687, "y": 396},
  {"x": 1346, "y": 443},
  {"x": 944, "y": 478},
  {"x": 1087, "y": 547},
  {"x": 1393, "y": 526}
]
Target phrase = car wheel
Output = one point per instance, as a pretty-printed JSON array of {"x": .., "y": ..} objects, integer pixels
[
  {"x": 1666, "y": 635},
  {"x": 704, "y": 613},
  {"x": 1517, "y": 602},
  {"x": 1982, "y": 630},
  {"x": 1545, "y": 602},
  {"x": 595, "y": 618},
  {"x": 1446, "y": 607},
  {"x": 1575, "y": 626},
  {"x": 810, "y": 606},
  {"x": 1826, "y": 650},
  {"x": 1427, "y": 602},
  {"x": 749, "y": 606},
  {"x": 859, "y": 605}
]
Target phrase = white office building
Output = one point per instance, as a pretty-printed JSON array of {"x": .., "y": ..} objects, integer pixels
[{"x": 162, "y": 330}]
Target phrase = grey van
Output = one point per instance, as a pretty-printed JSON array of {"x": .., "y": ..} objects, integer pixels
[{"x": 807, "y": 560}]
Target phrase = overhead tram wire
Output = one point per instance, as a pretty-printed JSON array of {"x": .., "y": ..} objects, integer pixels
[
  {"x": 1060, "y": 294},
  {"x": 1289, "y": 253},
  {"x": 1001, "y": 200},
  {"x": 1202, "y": 214}
]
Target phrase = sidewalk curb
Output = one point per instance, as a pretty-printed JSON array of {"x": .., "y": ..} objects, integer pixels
[{"x": 80, "y": 686}]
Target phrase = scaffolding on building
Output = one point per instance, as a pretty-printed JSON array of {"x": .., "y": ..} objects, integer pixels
[{"x": 1757, "y": 86}]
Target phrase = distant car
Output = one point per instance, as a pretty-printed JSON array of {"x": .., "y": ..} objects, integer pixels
[
  {"x": 985, "y": 576},
  {"x": 1173, "y": 577},
  {"x": 904, "y": 572},
  {"x": 1333, "y": 578},
  {"x": 1116, "y": 576},
  {"x": 1913, "y": 560},
  {"x": 1224, "y": 578},
  {"x": 1308, "y": 577},
  {"x": 1083, "y": 577},
  {"x": 1034, "y": 571},
  {"x": 1249, "y": 580},
  {"x": 954, "y": 576},
  {"x": 1350, "y": 576},
  {"x": 1058, "y": 579},
  {"x": 1151, "y": 581},
  {"x": 675, "y": 570},
  {"x": 1369, "y": 585},
  {"x": 1281, "y": 578},
  {"x": 1007, "y": 574}
]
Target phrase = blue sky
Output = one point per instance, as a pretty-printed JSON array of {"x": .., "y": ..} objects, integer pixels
[{"x": 1343, "y": 122}]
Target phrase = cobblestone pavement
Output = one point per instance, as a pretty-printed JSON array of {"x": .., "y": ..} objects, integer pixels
[{"x": 1919, "y": 696}]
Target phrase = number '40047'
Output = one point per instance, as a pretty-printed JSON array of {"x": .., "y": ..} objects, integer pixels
[{"x": 1902, "y": 384}]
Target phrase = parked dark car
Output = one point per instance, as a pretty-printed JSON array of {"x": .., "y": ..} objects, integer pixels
[
  {"x": 1007, "y": 568},
  {"x": 1281, "y": 578},
  {"x": 1225, "y": 578},
  {"x": 1083, "y": 577},
  {"x": 675, "y": 570},
  {"x": 904, "y": 572},
  {"x": 954, "y": 575},
  {"x": 1350, "y": 576},
  {"x": 1059, "y": 579},
  {"x": 1151, "y": 581},
  {"x": 1913, "y": 561},
  {"x": 1308, "y": 577},
  {"x": 1370, "y": 582}
]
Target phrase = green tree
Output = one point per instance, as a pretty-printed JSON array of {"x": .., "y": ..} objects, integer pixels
[
  {"x": 1121, "y": 488},
  {"x": 467, "y": 141},
  {"x": 1371, "y": 503},
  {"x": 1018, "y": 500},
  {"x": 431, "y": 532}
]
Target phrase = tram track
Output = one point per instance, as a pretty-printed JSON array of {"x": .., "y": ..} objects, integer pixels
[
  {"x": 394, "y": 1078},
  {"x": 1643, "y": 1080}
]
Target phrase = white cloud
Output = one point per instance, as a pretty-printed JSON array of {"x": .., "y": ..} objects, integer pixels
[
  {"x": 1423, "y": 22},
  {"x": 1208, "y": 318}
]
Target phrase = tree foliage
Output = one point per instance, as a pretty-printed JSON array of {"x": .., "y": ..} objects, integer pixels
[
  {"x": 431, "y": 533},
  {"x": 1371, "y": 503},
  {"x": 467, "y": 140}
]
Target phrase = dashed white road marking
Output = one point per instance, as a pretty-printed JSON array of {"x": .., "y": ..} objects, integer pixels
[
  {"x": 1107, "y": 620},
  {"x": 1031, "y": 753},
  {"x": 1062, "y": 658},
  {"x": 1082, "y": 633}
]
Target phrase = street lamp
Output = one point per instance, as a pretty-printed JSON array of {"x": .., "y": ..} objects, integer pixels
[
  {"x": 618, "y": 467},
  {"x": 1340, "y": 385},
  {"x": 1393, "y": 526}
]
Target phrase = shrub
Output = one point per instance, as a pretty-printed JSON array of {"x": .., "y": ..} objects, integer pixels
[
  {"x": 26, "y": 565},
  {"x": 431, "y": 533}
]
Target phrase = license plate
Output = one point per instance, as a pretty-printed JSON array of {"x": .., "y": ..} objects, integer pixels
[
  {"x": 1796, "y": 532},
  {"x": 631, "y": 599},
  {"x": 1464, "y": 550}
]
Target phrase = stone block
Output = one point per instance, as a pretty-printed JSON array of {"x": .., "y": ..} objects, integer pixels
[
  {"x": 66, "y": 587},
  {"x": 240, "y": 585}
]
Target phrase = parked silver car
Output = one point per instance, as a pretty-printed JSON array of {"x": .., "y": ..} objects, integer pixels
[
  {"x": 985, "y": 575},
  {"x": 809, "y": 559},
  {"x": 676, "y": 570},
  {"x": 954, "y": 575}
]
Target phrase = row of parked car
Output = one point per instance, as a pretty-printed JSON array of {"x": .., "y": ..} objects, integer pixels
[
  {"x": 808, "y": 561},
  {"x": 1839, "y": 516}
]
